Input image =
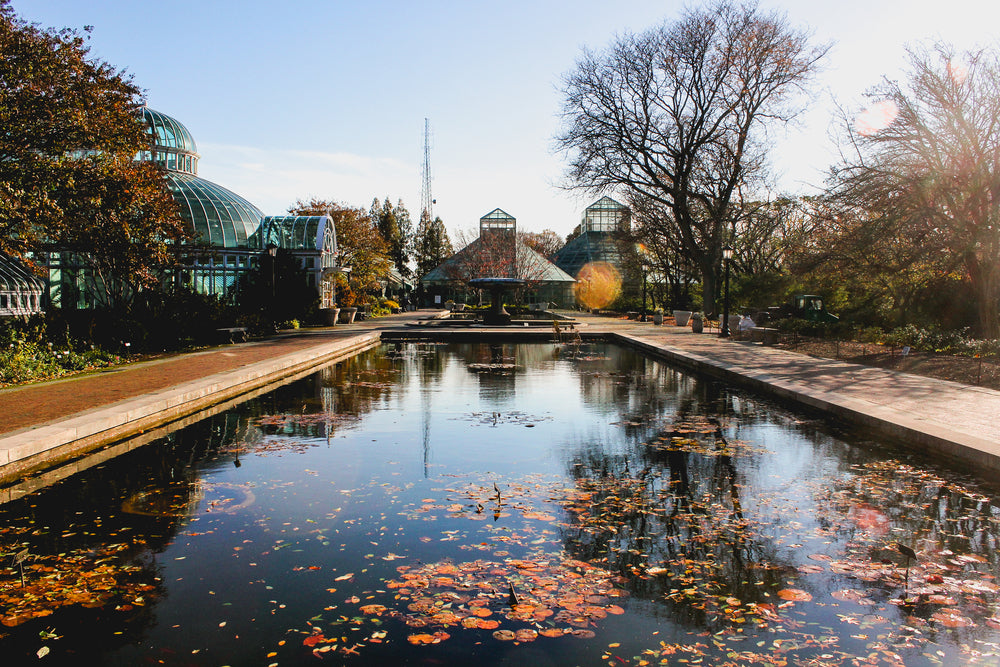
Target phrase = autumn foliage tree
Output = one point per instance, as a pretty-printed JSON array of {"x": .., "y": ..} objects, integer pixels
[
  {"x": 69, "y": 133},
  {"x": 918, "y": 189},
  {"x": 546, "y": 242},
  {"x": 675, "y": 119},
  {"x": 360, "y": 246}
]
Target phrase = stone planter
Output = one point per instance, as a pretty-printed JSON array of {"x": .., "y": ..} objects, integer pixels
[
  {"x": 682, "y": 317},
  {"x": 347, "y": 315},
  {"x": 734, "y": 324},
  {"x": 459, "y": 307},
  {"x": 329, "y": 316},
  {"x": 657, "y": 318},
  {"x": 697, "y": 325}
]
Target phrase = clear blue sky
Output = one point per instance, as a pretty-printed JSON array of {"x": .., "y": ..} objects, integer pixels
[{"x": 327, "y": 98}]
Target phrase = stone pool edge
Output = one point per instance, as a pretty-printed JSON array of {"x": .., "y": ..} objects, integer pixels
[
  {"x": 980, "y": 454},
  {"x": 62, "y": 440}
]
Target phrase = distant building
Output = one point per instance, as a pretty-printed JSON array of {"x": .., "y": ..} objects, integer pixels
[
  {"x": 597, "y": 238},
  {"x": 498, "y": 253},
  {"x": 230, "y": 232}
]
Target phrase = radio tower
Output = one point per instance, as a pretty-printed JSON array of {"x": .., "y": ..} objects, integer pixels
[{"x": 426, "y": 201}]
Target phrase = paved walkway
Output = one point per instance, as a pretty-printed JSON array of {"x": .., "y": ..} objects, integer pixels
[{"x": 949, "y": 417}]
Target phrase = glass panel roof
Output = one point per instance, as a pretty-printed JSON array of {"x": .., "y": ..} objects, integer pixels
[
  {"x": 297, "y": 232},
  {"x": 168, "y": 132},
  {"x": 15, "y": 277},
  {"x": 531, "y": 265},
  {"x": 219, "y": 216},
  {"x": 585, "y": 248}
]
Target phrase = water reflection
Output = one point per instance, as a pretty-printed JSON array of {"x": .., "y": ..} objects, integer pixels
[{"x": 431, "y": 503}]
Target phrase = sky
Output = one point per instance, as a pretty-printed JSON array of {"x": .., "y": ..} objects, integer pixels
[{"x": 327, "y": 98}]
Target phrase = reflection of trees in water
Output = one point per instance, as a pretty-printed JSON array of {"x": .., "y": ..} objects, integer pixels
[
  {"x": 670, "y": 518},
  {"x": 495, "y": 366},
  {"x": 637, "y": 387},
  {"x": 926, "y": 511}
]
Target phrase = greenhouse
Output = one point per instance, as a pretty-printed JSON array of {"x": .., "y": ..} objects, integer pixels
[
  {"x": 498, "y": 253},
  {"x": 596, "y": 238},
  {"x": 20, "y": 290},
  {"x": 223, "y": 223},
  {"x": 311, "y": 239}
]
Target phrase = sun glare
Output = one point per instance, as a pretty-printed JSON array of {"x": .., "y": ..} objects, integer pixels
[
  {"x": 597, "y": 284},
  {"x": 876, "y": 118}
]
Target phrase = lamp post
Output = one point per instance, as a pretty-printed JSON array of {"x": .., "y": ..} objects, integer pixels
[
  {"x": 645, "y": 272},
  {"x": 272, "y": 252},
  {"x": 727, "y": 255}
]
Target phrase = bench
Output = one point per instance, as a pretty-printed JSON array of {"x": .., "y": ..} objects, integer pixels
[
  {"x": 232, "y": 334},
  {"x": 764, "y": 335}
]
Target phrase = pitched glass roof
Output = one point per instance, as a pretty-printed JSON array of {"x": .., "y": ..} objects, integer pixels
[
  {"x": 595, "y": 240},
  {"x": 586, "y": 248},
  {"x": 531, "y": 265}
]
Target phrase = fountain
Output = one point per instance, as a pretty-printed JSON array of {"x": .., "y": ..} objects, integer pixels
[{"x": 497, "y": 315}]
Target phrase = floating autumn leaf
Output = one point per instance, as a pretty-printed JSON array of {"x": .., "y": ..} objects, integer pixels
[
  {"x": 565, "y": 591},
  {"x": 90, "y": 580},
  {"x": 373, "y": 609},
  {"x": 504, "y": 635},
  {"x": 794, "y": 595},
  {"x": 950, "y": 618},
  {"x": 315, "y": 638},
  {"x": 851, "y": 595},
  {"x": 525, "y": 635}
]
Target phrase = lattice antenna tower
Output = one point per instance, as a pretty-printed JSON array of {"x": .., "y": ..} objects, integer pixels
[{"x": 426, "y": 200}]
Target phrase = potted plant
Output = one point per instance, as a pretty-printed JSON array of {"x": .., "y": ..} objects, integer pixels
[
  {"x": 347, "y": 300},
  {"x": 658, "y": 316},
  {"x": 330, "y": 315},
  {"x": 697, "y": 325}
]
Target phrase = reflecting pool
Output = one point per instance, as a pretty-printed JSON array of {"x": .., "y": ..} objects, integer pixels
[{"x": 504, "y": 504}]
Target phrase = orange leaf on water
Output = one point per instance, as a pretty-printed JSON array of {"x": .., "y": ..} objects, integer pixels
[{"x": 794, "y": 595}]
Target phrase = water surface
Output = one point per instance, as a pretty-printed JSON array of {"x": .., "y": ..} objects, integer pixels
[{"x": 507, "y": 504}]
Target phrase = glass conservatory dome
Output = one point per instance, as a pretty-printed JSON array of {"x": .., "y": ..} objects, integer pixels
[
  {"x": 220, "y": 217},
  {"x": 167, "y": 132}
]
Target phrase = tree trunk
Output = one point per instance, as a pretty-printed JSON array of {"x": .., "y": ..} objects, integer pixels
[
  {"x": 708, "y": 288},
  {"x": 985, "y": 278}
]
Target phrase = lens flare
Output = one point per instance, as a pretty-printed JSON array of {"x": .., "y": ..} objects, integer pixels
[
  {"x": 958, "y": 72},
  {"x": 597, "y": 285},
  {"x": 876, "y": 118}
]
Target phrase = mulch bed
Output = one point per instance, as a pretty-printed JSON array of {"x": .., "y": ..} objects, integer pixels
[{"x": 982, "y": 372}]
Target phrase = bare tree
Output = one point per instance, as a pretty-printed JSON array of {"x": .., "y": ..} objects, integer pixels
[
  {"x": 546, "y": 242},
  {"x": 676, "y": 115},
  {"x": 922, "y": 167}
]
